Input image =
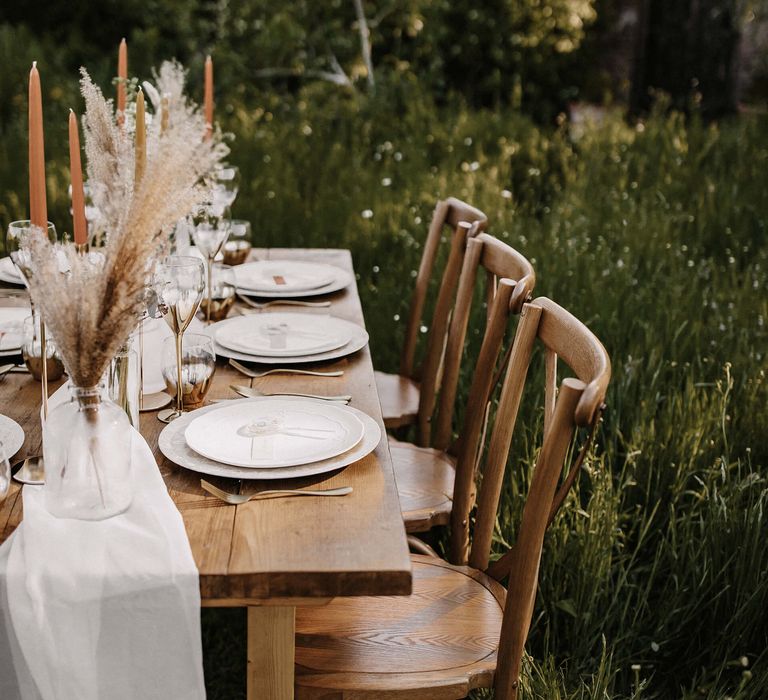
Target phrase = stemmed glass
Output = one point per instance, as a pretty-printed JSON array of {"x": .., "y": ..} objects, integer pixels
[
  {"x": 225, "y": 185},
  {"x": 210, "y": 232},
  {"x": 179, "y": 282},
  {"x": 17, "y": 233}
]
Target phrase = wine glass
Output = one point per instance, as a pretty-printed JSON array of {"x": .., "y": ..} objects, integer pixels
[
  {"x": 179, "y": 282},
  {"x": 225, "y": 185},
  {"x": 211, "y": 228},
  {"x": 17, "y": 233}
]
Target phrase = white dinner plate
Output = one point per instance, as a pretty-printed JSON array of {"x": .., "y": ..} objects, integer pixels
[
  {"x": 276, "y": 433},
  {"x": 12, "y": 329},
  {"x": 8, "y": 272},
  {"x": 340, "y": 279},
  {"x": 283, "y": 276},
  {"x": 358, "y": 340},
  {"x": 174, "y": 446},
  {"x": 285, "y": 334},
  {"x": 11, "y": 435}
]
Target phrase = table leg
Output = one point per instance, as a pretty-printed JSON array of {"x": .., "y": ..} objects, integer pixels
[{"x": 271, "y": 650}]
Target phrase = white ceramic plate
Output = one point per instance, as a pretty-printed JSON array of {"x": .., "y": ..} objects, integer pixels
[
  {"x": 274, "y": 433},
  {"x": 278, "y": 276},
  {"x": 12, "y": 329},
  {"x": 285, "y": 334},
  {"x": 358, "y": 340},
  {"x": 174, "y": 446},
  {"x": 340, "y": 280},
  {"x": 8, "y": 272},
  {"x": 11, "y": 435}
]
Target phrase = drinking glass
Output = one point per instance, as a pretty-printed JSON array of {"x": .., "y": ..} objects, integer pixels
[
  {"x": 221, "y": 299},
  {"x": 198, "y": 365},
  {"x": 210, "y": 234},
  {"x": 18, "y": 232},
  {"x": 32, "y": 352},
  {"x": 225, "y": 185},
  {"x": 238, "y": 245},
  {"x": 179, "y": 283},
  {"x": 5, "y": 472}
]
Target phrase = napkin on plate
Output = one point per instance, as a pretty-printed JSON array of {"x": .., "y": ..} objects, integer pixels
[{"x": 107, "y": 609}]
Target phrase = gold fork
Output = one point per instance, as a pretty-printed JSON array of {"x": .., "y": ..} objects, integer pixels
[{"x": 238, "y": 498}]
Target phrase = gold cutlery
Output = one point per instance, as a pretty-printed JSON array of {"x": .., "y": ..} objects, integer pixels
[
  {"x": 238, "y": 498},
  {"x": 282, "y": 370},
  {"x": 282, "y": 302},
  {"x": 250, "y": 392}
]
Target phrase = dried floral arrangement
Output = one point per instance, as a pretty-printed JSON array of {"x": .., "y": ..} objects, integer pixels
[{"x": 92, "y": 310}]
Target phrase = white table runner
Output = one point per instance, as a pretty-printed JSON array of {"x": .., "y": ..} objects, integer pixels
[{"x": 96, "y": 610}]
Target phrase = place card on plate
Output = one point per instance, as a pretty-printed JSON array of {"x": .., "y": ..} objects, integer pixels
[
  {"x": 284, "y": 334},
  {"x": 275, "y": 433},
  {"x": 283, "y": 276}
]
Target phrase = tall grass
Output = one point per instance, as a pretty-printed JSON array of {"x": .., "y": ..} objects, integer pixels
[{"x": 654, "y": 582}]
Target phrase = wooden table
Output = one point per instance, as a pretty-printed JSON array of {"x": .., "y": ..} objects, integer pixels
[{"x": 273, "y": 555}]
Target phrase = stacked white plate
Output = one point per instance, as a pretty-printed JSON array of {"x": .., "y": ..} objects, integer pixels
[
  {"x": 11, "y": 436},
  {"x": 291, "y": 338},
  {"x": 12, "y": 329},
  {"x": 270, "y": 438},
  {"x": 8, "y": 272},
  {"x": 285, "y": 279}
]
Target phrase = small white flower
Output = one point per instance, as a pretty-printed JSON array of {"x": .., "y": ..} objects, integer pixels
[
  {"x": 468, "y": 141},
  {"x": 367, "y": 213},
  {"x": 386, "y": 181},
  {"x": 506, "y": 194},
  {"x": 398, "y": 156},
  {"x": 306, "y": 130},
  {"x": 474, "y": 165}
]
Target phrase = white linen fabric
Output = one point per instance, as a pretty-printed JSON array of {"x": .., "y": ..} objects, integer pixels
[{"x": 101, "y": 610}]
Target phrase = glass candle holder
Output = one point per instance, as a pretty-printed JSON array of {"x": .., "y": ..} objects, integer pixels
[
  {"x": 31, "y": 352},
  {"x": 222, "y": 297},
  {"x": 198, "y": 365}
]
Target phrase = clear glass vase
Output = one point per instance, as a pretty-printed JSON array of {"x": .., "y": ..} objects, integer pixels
[
  {"x": 87, "y": 450},
  {"x": 124, "y": 382}
]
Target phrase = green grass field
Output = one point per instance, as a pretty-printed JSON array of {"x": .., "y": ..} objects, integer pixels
[{"x": 654, "y": 582}]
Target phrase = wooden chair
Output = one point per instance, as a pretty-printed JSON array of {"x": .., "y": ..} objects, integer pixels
[
  {"x": 460, "y": 629},
  {"x": 408, "y": 397},
  {"x": 425, "y": 476}
]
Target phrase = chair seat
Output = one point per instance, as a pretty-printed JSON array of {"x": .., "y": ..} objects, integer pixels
[
  {"x": 441, "y": 640},
  {"x": 399, "y": 398},
  {"x": 424, "y": 480}
]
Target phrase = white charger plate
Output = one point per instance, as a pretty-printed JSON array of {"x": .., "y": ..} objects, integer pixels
[
  {"x": 274, "y": 433},
  {"x": 358, "y": 341},
  {"x": 341, "y": 279},
  {"x": 11, "y": 435},
  {"x": 283, "y": 276},
  {"x": 283, "y": 334},
  {"x": 174, "y": 446}
]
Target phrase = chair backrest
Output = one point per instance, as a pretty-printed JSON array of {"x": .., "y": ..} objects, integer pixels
[
  {"x": 509, "y": 279},
  {"x": 464, "y": 221},
  {"x": 578, "y": 402}
]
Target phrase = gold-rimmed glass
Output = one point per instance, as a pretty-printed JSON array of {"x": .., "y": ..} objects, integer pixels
[
  {"x": 179, "y": 283},
  {"x": 210, "y": 232}
]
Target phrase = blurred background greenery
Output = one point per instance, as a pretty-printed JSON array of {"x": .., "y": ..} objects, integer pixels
[{"x": 623, "y": 147}]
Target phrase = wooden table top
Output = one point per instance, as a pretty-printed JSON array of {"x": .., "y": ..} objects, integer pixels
[{"x": 279, "y": 550}]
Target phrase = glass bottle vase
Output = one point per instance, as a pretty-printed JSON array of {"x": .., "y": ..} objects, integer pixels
[{"x": 87, "y": 451}]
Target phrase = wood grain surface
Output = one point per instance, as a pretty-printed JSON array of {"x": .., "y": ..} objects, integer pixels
[{"x": 283, "y": 548}]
